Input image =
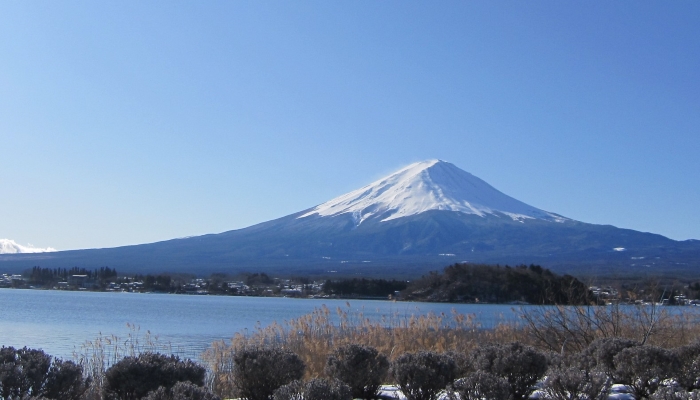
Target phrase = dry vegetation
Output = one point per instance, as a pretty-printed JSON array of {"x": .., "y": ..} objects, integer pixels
[
  {"x": 316, "y": 335},
  {"x": 313, "y": 337},
  {"x": 574, "y": 328},
  {"x": 96, "y": 356}
]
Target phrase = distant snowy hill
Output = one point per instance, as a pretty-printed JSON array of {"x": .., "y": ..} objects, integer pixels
[
  {"x": 425, "y": 186},
  {"x": 8, "y": 246},
  {"x": 421, "y": 218}
]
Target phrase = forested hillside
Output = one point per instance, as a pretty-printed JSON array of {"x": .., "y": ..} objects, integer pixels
[{"x": 478, "y": 283}]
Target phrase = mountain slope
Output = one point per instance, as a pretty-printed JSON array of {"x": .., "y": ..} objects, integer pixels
[{"x": 420, "y": 218}]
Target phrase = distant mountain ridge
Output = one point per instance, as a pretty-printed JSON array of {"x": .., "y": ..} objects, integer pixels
[{"x": 423, "y": 217}]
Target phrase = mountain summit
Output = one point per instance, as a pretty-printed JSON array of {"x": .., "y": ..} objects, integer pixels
[
  {"x": 420, "y": 218},
  {"x": 424, "y": 186}
]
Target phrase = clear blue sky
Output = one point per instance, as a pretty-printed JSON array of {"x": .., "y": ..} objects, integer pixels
[{"x": 125, "y": 122}]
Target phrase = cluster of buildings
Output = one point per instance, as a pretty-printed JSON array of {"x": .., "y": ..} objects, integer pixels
[
  {"x": 8, "y": 281},
  {"x": 290, "y": 289},
  {"x": 74, "y": 282},
  {"x": 681, "y": 300},
  {"x": 604, "y": 293},
  {"x": 278, "y": 287},
  {"x": 609, "y": 295}
]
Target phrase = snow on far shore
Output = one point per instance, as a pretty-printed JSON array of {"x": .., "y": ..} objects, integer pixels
[{"x": 9, "y": 246}]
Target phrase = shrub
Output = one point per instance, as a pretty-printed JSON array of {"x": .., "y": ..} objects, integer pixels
[
  {"x": 573, "y": 376},
  {"x": 29, "y": 373},
  {"x": 479, "y": 385},
  {"x": 133, "y": 378},
  {"x": 463, "y": 363},
  {"x": 258, "y": 371},
  {"x": 422, "y": 375},
  {"x": 362, "y": 368},
  {"x": 688, "y": 374},
  {"x": 182, "y": 391},
  {"x": 572, "y": 382},
  {"x": 292, "y": 391},
  {"x": 644, "y": 368},
  {"x": 315, "y": 389},
  {"x": 671, "y": 393},
  {"x": 601, "y": 353},
  {"x": 22, "y": 371},
  {"x": 522, "y": 366},
  {"x": 65, "y": 381}
]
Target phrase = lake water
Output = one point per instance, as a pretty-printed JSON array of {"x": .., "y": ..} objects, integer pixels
[{"x": 60, "y": 321}]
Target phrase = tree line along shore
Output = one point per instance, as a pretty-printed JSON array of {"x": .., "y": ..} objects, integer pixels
[{"x": 457, "y": 283}]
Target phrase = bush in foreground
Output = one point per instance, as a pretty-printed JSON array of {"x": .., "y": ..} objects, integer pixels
[
  {"x": 132, "y": 378},
  {"x": 644, "y": 368},
  {"x": 600, "y": 354},
  {"x": 522, "y": 366},
  {"x": 362, "y": 368},
  {"x": 29, "y": 373},
  {"x": 315, "y": 389},
  {"x": 181, "y": 391},
  {"x": 688, "y": 375},
  {"x": 479, "y": 385},
  {"x": 572, "y": 381},
  {"x": 423, "y": 375},
  {"x": 65, "y": 381},
  {"x": 259, "y": 371}
]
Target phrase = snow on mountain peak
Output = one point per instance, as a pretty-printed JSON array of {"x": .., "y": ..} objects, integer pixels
[
  {"x": 8, "y": 246},
  {"x": 428, "y": 185}
]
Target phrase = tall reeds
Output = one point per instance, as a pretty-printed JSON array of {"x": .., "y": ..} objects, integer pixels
[{"x": 96, "y": 356}]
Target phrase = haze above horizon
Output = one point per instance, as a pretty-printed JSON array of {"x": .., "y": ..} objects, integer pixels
[{"x": 128, "y": 123}]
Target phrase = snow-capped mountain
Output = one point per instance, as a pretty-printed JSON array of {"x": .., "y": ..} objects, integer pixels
[
  {"x": 8, "y": 246},
  {"x": 421, "y": 218},
  {"x": 424, "y": 186}
]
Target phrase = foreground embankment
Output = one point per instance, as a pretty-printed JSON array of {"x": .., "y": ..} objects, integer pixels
[{"x": 558, "y": 353}]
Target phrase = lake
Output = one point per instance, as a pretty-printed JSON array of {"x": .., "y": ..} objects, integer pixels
[{"x": 60, "y": 321}]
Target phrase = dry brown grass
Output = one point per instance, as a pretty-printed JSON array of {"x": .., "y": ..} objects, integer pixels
[
  {"x": 574, "y": 328},
  {"x": 315, "y": 335}
]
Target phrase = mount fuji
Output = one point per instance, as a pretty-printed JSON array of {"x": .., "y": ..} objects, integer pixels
[{"x": 422, "y": 217}]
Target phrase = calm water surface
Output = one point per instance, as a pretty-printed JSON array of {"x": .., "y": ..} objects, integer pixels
[{"x": 59, "y": 322}]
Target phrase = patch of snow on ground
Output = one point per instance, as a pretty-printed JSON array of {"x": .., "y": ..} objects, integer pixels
[
  {"x": 392, "y": 391},
  {"x": 621, "y": 392}
]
